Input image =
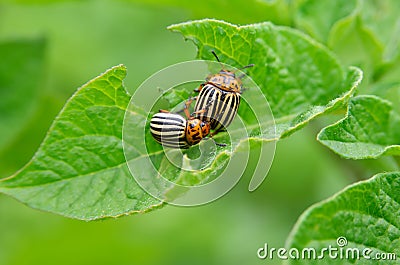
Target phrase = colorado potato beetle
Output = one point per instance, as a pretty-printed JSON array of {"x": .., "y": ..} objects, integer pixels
[
  {"x": 221, "y": 94},
  {"x": 173, "y": 130}
]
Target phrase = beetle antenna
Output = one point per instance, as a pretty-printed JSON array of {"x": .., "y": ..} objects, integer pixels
[
  {"x": 244, "y": 67},
  {"x": 247, "y": 66},
  {"x": 215, "y": 55}
]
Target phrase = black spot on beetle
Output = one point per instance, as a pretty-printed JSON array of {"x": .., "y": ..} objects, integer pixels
[{"x": 196, "y": 135}]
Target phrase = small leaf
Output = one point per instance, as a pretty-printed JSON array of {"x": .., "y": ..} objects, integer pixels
[
  {"x": 356, "y": 45},
  {"x": 300, "y": 78},
  {"x": 318, "y": 17},
  {"x": 333, "y": 20},
  {"x": 382, "y": 18},
  {"x": 360, "y": 32},
  {"x": 388, "y": 73},
  {"x": 80, "y": 169},
  {"x": 366, "y": 214},
  {"x": 388, "y": 90},
  {"x": 370, "y": 129}
]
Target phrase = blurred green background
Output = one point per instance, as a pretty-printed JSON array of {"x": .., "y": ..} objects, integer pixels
[{"x": 81, "y": 39}]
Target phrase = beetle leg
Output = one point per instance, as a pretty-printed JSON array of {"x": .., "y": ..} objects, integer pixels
[
  {"x": 200, "y": 88},
  {"x": 213, "y": 133},
  {"x": 215, "y": 142},
  {"x": 187, "y": 104},
  {"x": 219, "y": 144},
  {"x": 205, "y": 108},
  {"x": 199, "y": 111},
  {"x": 186, "y": 107},
  {"x": 163, "y": 111}
]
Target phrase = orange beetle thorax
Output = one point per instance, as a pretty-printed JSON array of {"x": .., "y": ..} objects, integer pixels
[
  {"x": 196, "y": 130},
  {"x": 226, "y": 80}
]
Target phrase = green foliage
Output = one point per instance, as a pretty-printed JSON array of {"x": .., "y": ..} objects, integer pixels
[
  {"x": 83, "y": 148},
  {"x": 366, "y": 214},
  {"x": 370, "y": 129},
  {"x": 300, "y": 78},
  {"x": 80, "y": 169},
  {"x": 361, "y": 32},
  {"x": 19, "y": 95},
  {"x": 368, "y": 53},
  {"x": 381, "y": 18},
  {"x": 317, "y": 18},
  {"x": 323, "y": 20}
]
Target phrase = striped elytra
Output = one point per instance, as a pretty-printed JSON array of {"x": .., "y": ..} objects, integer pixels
[
  {"x": 219, "y": 98},
  {"x": 172, "y": 130},
  {"x": 216, "y": 106}
]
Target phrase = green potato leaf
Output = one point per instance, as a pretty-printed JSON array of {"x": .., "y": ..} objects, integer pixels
[
  {"x": 326, "y": 21},
  {"x": 299, "y": 77},
  {"x": 382, "y": 19},
  {"x": 318, "y": 17},
  {"x": 361, "y": 32},
  {"x": 366, "y": 214},
  {"x": 80, "y": 170},
  {"x": 356, "y": 45},
  {"x": 370, "y": 129}
]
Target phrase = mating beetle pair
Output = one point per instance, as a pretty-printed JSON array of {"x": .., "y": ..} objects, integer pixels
[{"x": 216, "y": 107}]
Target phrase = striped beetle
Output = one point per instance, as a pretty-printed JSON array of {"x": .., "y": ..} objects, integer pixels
[
  {"x": 173, "y": 130},
  {"x": 221, "y": 94}
]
